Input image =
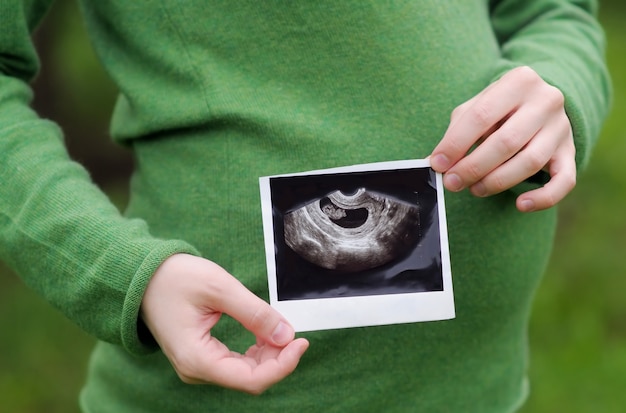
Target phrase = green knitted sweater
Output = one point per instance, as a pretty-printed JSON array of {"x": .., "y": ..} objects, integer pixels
[{"x": 214, "y": 94}]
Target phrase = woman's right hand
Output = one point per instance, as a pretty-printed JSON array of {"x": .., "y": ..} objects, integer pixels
[{"x": 185, "y": 299}]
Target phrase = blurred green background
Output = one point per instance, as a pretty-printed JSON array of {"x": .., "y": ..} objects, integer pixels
[{"x": 578, "y": 327}]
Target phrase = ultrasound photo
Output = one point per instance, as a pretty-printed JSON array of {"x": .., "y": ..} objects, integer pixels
[{"x": 365, "y": 235}]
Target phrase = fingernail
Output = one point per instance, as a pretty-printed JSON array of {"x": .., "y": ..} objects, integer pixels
[
  {"x": 479, "y": 189},
  {"x": 453, "y": 182},
  {"x": 440, "y": 162},
  {"x": 527, "y": 205},
  {"x": 282, "y": 333}
]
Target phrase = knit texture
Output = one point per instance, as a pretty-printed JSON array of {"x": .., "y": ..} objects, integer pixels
[{"x": 215, "y": 94}]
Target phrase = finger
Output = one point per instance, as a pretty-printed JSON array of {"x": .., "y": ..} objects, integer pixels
[
  {"x": 535, "y": 156},
  {"x": 262, "y": 352},
  {"x": 496, "y": 149},
  {"x": 254, "y": 314},
  {"x": 244, "y": 374},
  {"x": 272, "y": 370},
  {"x": 195, "y": 362},
  {"x": 472, "y": 120},
  {"x": 286, "y": 362},
  {"x": 562, "y": 181},
  {"x": 530, "y": 160}
]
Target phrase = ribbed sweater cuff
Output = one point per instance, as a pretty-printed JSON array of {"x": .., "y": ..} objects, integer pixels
[{"x": 135, "y": 335}]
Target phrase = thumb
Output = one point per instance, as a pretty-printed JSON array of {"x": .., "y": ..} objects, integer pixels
[{"x": 256, "y": 315}]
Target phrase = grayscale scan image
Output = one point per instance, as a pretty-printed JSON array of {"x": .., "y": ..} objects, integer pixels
[{"x": 356, "y": 234}]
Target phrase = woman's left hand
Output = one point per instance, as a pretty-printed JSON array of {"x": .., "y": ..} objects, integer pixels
[{"x": 517, "y": 127}]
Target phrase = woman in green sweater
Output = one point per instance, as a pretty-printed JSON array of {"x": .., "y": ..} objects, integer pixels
[{"x": 215, "y": 94}]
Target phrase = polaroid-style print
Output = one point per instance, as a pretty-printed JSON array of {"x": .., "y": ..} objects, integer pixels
[{"x": 358, "y": 246}]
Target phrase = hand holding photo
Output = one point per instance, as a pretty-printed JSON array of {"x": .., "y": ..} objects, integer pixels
[{"x": 357, "y": 246}]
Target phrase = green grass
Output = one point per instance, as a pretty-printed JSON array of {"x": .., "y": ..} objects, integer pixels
[{"x": 578, "y": 327}]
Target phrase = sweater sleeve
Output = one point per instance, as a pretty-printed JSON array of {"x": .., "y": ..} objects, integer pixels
[
  {"x": 58, "y": 231},
  {"x": 563, "y": 42}
]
